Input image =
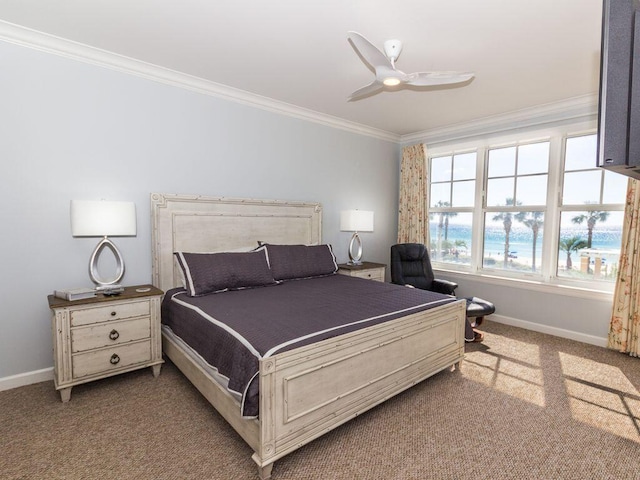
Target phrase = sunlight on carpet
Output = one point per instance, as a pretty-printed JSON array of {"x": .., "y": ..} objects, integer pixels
[
  {"x": 600, "y": 395},
  {"x": 597, "y": 394},
  {"x": 512, "y": 368},
  {"x": 597, "y": 373}
]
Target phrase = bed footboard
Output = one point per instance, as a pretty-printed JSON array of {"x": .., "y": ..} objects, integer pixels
[{"x": 311, "y": 390}]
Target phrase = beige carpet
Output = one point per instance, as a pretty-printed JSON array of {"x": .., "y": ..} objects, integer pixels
[{"x": 524, "y": 406}]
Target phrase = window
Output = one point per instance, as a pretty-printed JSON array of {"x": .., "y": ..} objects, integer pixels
[
  {"x": 517, "y": 178},
  {"x": 531, "y": 209},
  {"x": 590, "y": 215},
  {"x": 452, "y": 197}
]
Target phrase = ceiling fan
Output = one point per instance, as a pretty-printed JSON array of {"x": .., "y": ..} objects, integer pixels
[{"x": 387, "y": 75}]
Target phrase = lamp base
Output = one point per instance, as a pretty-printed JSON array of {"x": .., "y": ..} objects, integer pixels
[
  {"x": 355, "y": 250},
  {"x": 102, "y": 284}
]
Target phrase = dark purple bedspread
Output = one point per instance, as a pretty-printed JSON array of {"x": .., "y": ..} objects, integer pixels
[{"x": 233, "y": 330}]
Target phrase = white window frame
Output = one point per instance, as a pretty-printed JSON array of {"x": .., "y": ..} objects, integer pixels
[
  {"x": 436, "y": 210},
  {"x": 545, "y": 278},
  {"x": 608, "y": 286},
  {"x": 488, "y": 210}
]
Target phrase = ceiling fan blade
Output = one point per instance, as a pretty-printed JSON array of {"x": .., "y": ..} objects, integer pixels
[
  {"x": 424, "y": 79},
  {"x": 368, "y": 51},
  {"x": 373, "y": 87}
]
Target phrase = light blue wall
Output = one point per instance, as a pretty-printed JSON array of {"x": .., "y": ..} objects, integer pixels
[
  {"x": 70, "y": 130},
  {"x": 579, "y": 317}
]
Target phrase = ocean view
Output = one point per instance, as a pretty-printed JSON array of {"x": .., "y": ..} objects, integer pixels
[{"x": 606, "y": 238}]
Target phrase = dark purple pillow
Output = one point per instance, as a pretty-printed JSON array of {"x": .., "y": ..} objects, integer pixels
[
  {"x": 300, "y": 261},
  {"x": 217, "y": 272}
]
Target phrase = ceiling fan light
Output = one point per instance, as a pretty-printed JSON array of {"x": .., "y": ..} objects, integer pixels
[{"x": 391, "y": 81}]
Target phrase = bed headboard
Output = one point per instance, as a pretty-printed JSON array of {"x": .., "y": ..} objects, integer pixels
[{"x": 194, "y": 223}]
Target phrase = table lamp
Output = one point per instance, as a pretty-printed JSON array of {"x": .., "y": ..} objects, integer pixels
[
  {"x": 356, "y": 221},
  {"x": 105, "y": 219}
]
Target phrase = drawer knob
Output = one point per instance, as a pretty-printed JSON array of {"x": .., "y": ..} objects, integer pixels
[
  {"x": 113, "y": 314},
  {"x": 113, "y": 334},
  {"x": 115, "y": 359}
]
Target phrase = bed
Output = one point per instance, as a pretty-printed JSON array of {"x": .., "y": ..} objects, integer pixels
[{"x": 308, "y": 388}]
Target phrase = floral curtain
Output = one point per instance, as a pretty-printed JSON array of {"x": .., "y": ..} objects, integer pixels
[
  {"x": 413, "y": 217},
  {"x": 625, "y": 319}
]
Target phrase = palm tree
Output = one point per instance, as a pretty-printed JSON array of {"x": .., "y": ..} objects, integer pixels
[
  {"x": 507, "y": 220},
  {"x": 572, "y": 244},
  {"x": 447, "y": 215},
  {"x": 533, "y": 220},
  {"x": 460, "y": 244},
  {"x": 591, "y": 217},
  {"x": 443, "y": 224},
  {"x": 439, "y": 235}
]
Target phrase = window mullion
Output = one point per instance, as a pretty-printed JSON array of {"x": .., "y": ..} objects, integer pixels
[
  {"x": 552, "y": 215},
  {"x": 478, "y": 211}
]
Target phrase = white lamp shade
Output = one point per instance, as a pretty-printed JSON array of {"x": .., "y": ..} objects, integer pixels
[
  {"x": 356, "y": 221},
  {"x": 102, "y": 218}
]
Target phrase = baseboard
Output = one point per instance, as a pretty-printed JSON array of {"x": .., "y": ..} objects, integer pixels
[
  {"x": 558, "y": 332},
  {"x": 29, "y": 378}
]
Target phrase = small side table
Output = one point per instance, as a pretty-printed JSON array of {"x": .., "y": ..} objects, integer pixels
[
  {"x": 370, "y": 270},
  {"x": 98, "y": 337}
]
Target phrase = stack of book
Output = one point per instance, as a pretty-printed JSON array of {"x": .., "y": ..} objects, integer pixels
[{"x": 75, "y": 293}]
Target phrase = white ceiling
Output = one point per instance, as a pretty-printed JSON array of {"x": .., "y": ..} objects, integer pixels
[{"x": 524, "y": 53}]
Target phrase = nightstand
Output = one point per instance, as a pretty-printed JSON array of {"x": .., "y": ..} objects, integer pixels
[
  {"x": 370, "y": 270},
  {"x": 98, "y": 337}
]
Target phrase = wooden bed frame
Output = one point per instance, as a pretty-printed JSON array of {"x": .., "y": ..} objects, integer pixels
[{"x": 311, "y": 390}]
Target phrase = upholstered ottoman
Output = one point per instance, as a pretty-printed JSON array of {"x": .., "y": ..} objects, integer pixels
[{"x": 477, "y": 309}]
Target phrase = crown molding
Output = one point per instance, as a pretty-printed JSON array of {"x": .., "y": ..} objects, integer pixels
[
  {"x": 584, "y": 107},
  {"x": 44, "y": 42}
]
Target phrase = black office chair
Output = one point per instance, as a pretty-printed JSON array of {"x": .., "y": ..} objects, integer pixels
[{"x": 410, "y": 265}]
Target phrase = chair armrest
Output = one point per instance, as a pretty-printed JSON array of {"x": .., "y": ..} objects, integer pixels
[{"x": 444, "y": 286}]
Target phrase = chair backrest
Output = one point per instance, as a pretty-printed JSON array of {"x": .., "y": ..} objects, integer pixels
[{"x": 410, "y": 265}]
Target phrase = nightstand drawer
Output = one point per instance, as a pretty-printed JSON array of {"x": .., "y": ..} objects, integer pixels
[
  {"x": 368, "y": 270},
  {"x": 374, "y": 274},
  {"x": 109, "y": 333},
  {"x": 115, "y": 311},
  {"x": 102, "y": 361}
]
